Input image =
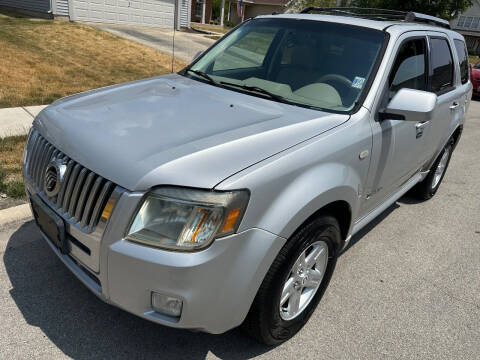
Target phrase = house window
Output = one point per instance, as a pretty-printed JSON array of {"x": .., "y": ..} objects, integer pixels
[
  {"x": 461, "y": 21},
  {"x": 468, "y": 21},
  {"x": 198, "y": 8},
  {"x": 475, "y": 22}
]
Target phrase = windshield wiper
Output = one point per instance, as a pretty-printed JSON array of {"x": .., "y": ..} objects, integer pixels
[
  {"x": 258, "y": 90},
  {"x": 203, "y": 75}
]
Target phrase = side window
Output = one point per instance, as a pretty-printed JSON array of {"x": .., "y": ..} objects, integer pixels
[
  {"x": 462, "y": 60},
  {"x": 248, "y": 52},
  {"x": 442, "y": 65},
  {"x": 409, "y": 68}
]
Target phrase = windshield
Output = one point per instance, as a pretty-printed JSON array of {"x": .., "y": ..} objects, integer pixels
[
  {"x": 477, "y": 66},
  {"x": 307, "y": 63}
]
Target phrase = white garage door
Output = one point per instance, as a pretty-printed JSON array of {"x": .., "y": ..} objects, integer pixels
[{"x": 137, "y": 12}]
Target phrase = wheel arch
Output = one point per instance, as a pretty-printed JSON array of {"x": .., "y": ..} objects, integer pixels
[{"x": 340, "y": 210}]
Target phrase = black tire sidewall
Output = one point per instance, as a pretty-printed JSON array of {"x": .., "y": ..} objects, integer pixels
[
  {"x": 324, "y": 229},
  {"x": 430, "y": 192}
]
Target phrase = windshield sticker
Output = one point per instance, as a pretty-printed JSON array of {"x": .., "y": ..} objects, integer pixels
[{"x": 358, "y": 82}]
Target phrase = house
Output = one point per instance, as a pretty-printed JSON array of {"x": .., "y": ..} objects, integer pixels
[
  {"x": 468, "y": 24},
  {"x": 199, "y": 12},
  {"x": 162, "y": 13},
  {"x": 239, "y": 11}
]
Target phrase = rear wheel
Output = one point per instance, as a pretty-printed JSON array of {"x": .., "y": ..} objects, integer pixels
[
  {"x": 295, "y": 282},
  {"x": 429, "y": 186}
]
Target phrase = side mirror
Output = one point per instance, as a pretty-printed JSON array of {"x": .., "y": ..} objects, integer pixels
[
  {"x": 410, "y": 105},
  {"x": 197, "y": 55}
]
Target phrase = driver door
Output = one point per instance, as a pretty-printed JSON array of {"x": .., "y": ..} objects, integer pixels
[{"x": 398, "y": 145}]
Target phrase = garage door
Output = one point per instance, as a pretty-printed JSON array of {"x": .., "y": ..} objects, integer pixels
[{"x": 136, "y": 12}]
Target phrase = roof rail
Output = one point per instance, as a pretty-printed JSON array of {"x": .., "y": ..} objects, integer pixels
[
  {"x": 418, "y": 17},
  {"x": 378, "y": 14}
]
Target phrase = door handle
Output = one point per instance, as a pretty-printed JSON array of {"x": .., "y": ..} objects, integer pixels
[
  {"x": 419, "y": 128},
  {"x": 421, "y": 125},
  {"x": 454, "y": 105}
]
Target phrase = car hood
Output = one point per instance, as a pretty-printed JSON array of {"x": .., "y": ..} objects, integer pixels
[{"x": 175, "y": 130}]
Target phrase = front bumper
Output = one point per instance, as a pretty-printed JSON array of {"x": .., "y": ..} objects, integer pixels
[{"x": 217, "y": 285}]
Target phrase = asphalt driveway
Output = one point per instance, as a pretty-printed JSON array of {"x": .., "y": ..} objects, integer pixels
[
  {"x": 408, "y": 287},
  {"x": 187, "y": 44}
]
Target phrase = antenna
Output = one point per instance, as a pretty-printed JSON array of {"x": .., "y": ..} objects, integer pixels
[{"x": 173, "y": 48}]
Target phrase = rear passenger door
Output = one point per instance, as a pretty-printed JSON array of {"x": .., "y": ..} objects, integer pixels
[{"x": 443, "y": 81}]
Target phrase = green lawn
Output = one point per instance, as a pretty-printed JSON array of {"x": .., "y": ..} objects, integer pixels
[{"x": 43, "y": 60}]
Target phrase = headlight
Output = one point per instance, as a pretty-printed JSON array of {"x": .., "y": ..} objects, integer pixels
[{"x": 187, "y": 219}]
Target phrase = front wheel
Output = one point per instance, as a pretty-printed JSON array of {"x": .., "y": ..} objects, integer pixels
[
  {"x": 295, "y": 282},
  {"x": 429, "y": 186}
]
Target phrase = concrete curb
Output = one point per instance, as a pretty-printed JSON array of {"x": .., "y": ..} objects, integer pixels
[
  {"x": 15, "y": 214},
  {"x": 207, "y": 32}
]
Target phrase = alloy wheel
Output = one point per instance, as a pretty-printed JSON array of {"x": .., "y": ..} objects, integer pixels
[{"x": 303, "y": 280}]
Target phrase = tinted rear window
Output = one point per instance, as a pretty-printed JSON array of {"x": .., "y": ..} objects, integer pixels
[
  {"x": 442, "y": 65},
  {"x": 462, "y": 60}
]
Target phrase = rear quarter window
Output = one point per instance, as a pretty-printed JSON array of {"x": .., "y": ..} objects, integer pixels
[
  {"x": 441, "y": 65},
  {"x": 462, "y": 60}
]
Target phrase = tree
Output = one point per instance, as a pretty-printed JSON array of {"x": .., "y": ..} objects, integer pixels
[
  {"x": 298, "y": 5},
  {"x": 446, "y": 9}
]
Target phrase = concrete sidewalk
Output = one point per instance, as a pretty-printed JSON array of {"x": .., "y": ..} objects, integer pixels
[
  {"x": 187, "y": 44},
  {"x": 18, "y": 120}
]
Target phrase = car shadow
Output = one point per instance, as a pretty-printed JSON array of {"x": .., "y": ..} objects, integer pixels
[
  {"x": 82, "y": 326},
  {"x": 367, "y": 228}
]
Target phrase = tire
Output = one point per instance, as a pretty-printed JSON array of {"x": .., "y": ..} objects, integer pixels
[
  {"x": 266, "y": 321},
  {"x": 429, "y": 186}
]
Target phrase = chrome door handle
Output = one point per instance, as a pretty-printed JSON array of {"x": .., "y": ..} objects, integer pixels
[
  {"x": 421, "y": 125},
  {"x": 419, "y": 128},
  {"x": 454, "y": 106}
]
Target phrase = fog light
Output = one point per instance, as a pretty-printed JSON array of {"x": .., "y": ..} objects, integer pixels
[{"x": 167, "y": 305}]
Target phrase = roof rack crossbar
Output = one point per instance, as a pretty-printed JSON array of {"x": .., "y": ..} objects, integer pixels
[{"x": 379, "y": 14}]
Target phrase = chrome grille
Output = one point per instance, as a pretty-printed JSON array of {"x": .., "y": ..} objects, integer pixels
[{"x": 82, "y": 195}]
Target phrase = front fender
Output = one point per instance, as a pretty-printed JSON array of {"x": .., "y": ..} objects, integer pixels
[
  {"x": 306, "y": 194},
  {"x": 282, "y": 205},
  {"x": 288, "y": 188}
]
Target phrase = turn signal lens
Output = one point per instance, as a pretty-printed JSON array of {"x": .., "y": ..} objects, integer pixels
[
  {"x": 107, "y": 210},
  {"x": 231, "y": 220}
]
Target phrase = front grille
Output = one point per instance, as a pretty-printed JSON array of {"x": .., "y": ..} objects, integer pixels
[{"x": 82, "y": 195}]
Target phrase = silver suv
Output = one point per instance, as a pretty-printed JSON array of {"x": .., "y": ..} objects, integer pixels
[{"x": 222, "y": 195}]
